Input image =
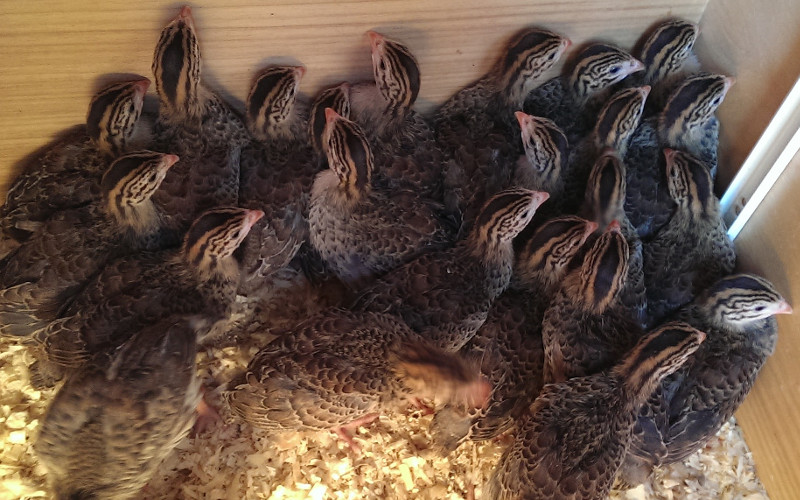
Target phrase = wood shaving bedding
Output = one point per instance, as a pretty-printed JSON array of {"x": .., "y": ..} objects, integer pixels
[{"x": 236, "y": 461}]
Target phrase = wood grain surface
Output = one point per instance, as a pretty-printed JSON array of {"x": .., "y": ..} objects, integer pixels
[{"x": 55, "y": 54}]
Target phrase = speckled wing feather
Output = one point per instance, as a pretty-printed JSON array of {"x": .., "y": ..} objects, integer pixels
[
  {"x": 112, "y": 423},
  {"x": 509, "y": 348},
  {"x": 554, "y": 434}
]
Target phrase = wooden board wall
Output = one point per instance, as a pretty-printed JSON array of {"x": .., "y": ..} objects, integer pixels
[
  {"x": 758, "y": 43},
  {"x": 768, "y": 246},
  {"x": 55, "y": 51}
]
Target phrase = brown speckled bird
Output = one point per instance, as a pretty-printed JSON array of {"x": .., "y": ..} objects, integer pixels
[
  {"x": 571, "y": 444},
  {"x": 615, "y": 125},
  {"x": 445, "y": 295},
  {"x": 476, "y": 126},
  {"x": 402, "y": 141},
  {"x": 573, "y": 99},
  {"x": 509, "y": 344},
  {"x": 278, "y": 171},
  {"x": 585, "y": 328},
  {"x": 688, "y": 124},
  {"x": 196, "y": 124},
  {"x": 112, "y": 423},
  {"x": 198, "y": 280},
  {"x": 340, "y": 369},
  {"x": 42, "y": 275},
  {"x": 667, "y": 55},
  {"x": 693, "y": 249},
  {"x": 67, "y": 174},
  {"x": 603, "y": 203},
  {"x": 359, "y": 230},
  {"x": 737, "y": 312}
]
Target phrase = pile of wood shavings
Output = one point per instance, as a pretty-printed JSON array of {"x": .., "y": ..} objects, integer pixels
[{"x": 235, "y": 461}]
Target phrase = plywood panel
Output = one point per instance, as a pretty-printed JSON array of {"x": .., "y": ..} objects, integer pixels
[
  {"x": 768, "y": 246},
  {"x": 54, "y": 51},
  {"x": 758, "y": 43}
]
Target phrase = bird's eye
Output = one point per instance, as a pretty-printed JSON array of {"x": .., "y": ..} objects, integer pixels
[
  {"x": 613, "y": 70},
  {"x": 759, "y": 308},
  {"x": 716, "y": 102},
  {"x": 551, "y": 57}
]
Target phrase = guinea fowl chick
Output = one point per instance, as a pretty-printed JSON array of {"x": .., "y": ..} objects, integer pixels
[
  {"x": 402, "y": 141},
  {"x": 445, "y": 295},
  {"x": 509, "y": 344},
  {"x": 278, "y": 171},
  {"x": 195, "y": 123},
  {"x": 113, "y": 422},
  {"x": 603, "y": 203},
  {"x": 693, "y": 249},
  {"x": 359, "y": 231},
  {"x": 67, "y": 174},
  {"x": 198, "y": 279},
  {"x": 476, "y": 127},
  {"x": 338, "y": 370},
  {"x": 737, "y": 314},
  {"x": 666, "y": 52},
  {"x": 572, "y": 100},
  {"x": 42, "y": 275},
  {"x": 572, "y": 442},
  {"x": 616, "y": 123},
  {"x": 585, "y": 329},
  {"x": 688, "y": 124}
]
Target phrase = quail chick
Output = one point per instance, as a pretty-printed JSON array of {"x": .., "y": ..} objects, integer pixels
[
  {"x": 585, "y": 328},
  {"x": 445, "y": 295},
  {"x": 67, "y": 174},
  {"x": 667, "y": 55},
  {"x": 737, "y": 314},
  {"x": 41, "y": 276},
  {"x": 616, "y": 123},
  {"x": 359, "y": 231},
  {"x": 693, "y": 249},
  {"x": 196, "y": 124},
  {"x": 115, "y": 420},
  {"x": 688, "y": 124},
  {"x": 509, "y": 344},
  {"x": 339, "y": 369},
  {"x": 278, "y": 171},
  {"x": 572, "y": 100},
  {"x": 572, "y": 442},
  {"x": 199, "y": 279},
  {"x": 402, "y": 141},
  {"x": 476, "y": 126},
  {"x": 603, "y": 203}
]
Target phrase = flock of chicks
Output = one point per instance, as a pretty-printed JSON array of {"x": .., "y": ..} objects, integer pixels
[{"x": 574, "y": 287}]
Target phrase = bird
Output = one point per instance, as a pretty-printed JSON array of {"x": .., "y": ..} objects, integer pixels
[
  {"x": 40, "y": 277},
  {"x": 199, "y": 279},
  {"x": 196, "y": 124},
  {"x": 687, "y": 123},
  {"x": 509, "y": 343},
  {"x": 402, "y": 141},
  {"x": 476, "y": 128},
  {"x": 446, "y": 295},
  {"x": 585, "y": 328},
  {"x": 361, "y": 231},
  {"x": 616, "y": 123},
  {"x": 277, "y": 173},
  {"x": 604, "y": 203},
  {"x": 666, "y": 51},
  {"x": 572, "y": 100},
  {"x": 340, "y": 369},
  {"x": 111, "y": 424},
  {"x": 575, "y": 435},
  {"x": 67, "y": 173},
  {"x": 737, "y": 312},
  {"x": 693, "y": 250}
]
